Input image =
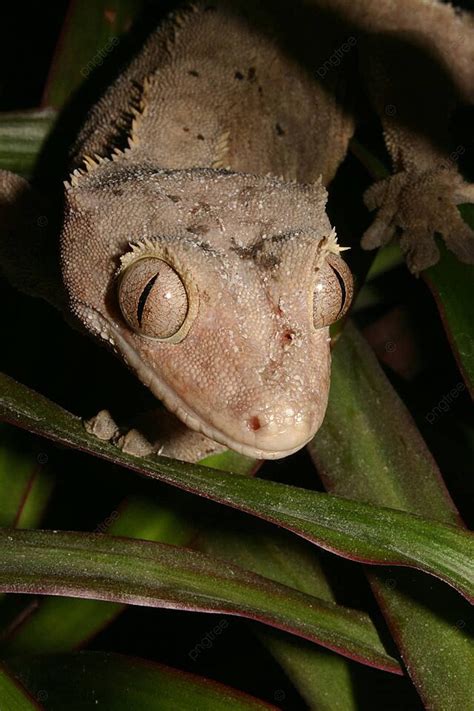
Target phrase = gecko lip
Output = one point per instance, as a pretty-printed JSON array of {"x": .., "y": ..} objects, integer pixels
[{"x": 271, "y": 440}]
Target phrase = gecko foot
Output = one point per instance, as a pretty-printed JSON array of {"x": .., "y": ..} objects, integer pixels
[
  {"x": 102, "y": 426},
  {"x": 416, "y": 206},
  {"x": 132, "y": 441},
  {"x": 155, "y": 432},
  {"x": 135, "y": 443}
]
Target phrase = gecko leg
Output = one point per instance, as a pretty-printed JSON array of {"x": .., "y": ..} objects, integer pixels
[
  {"x": 155, "y": 432},
  {"x": 416, "y": 205}
]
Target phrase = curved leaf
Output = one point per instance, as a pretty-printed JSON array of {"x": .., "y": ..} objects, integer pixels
[
  {"x": 451, "y": 283},
  {"x": 25, "y": 483},
  {"x": 114, "y": 681},
  {"x": 382, "y": 458},
  {"x": 286, "y": 559},
  {"x": 358, "y": 531},
  {"x": 13, "y": 697},
  {"x": 158, "y": 575},
  {"x": 22, "y": 135},
  {"x": 90, "y": 34},
  {"x": 56, "y": 624}
]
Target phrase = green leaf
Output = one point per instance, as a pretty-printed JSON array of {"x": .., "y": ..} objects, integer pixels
[
  {"x": 13, "y": 697},
  {"x": 115, "y": 682},
  {"x": 90, "y": 35},
  {"x": 353, "y": 530},
  {"x": 157, "y": 575},
  {"x": 63, "y": 624},
  {"x": 451, "y": 283},
  {"x": 369, "y": 449},
  {"x": 22, "y": 135},
  {"x": 25, "y": 483},
  {"x": 291, "y": 561}
]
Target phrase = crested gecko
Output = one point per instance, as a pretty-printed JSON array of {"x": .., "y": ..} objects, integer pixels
[{"x": 195, "y": 241}]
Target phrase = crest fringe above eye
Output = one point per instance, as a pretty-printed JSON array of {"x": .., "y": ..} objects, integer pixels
[{"x": 145, "y": 247}]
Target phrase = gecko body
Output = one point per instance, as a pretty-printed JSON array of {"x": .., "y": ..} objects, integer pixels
[
  {"x": 195, "y": 240},
  {"x": 202, "y": 252}
]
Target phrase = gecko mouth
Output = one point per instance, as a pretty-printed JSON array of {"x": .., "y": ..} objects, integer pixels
[{"x": 272, "y": 439}]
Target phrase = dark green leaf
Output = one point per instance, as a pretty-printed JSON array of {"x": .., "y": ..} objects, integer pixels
[
  {"x": 114, "y": 682},
  {"x": 451, "y": 282},
  {"x": 357, "y": 531},
  {"x": 157, "y": 575},
  {"x": 279, "y": 556},
  {"x": 21, "y": 137},
  {"x": 13, "y": 697},
  {"x": 90, "y": 35},
  {"x": 369, "y": 448},
  {"x": 63, "y": 624}
]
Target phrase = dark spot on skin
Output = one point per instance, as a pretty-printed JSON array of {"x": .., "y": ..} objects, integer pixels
[
  {"x": 268, "y": 261},
  {"x": 254, "y": 424},
  {"x": 117, "y": 191},
  {"x": 288, "y": 335},
  {"x": 247, "y": 193},
  {"x": 201, "y": 206},
  {"x": 198, "y": 229},
  {"x": 239, "y": 76},
  {"x": 174, "y": 198},
  {"x": 200, "y": 137},
  {"x": 260, "y": 91},
  {"x": 256, "y": 253},
  {"x": 251, "y": 74},
  {"x": 280, "y": 131},
  {"x": 193, "y": 73},
  {"x": 185, "y": 129}
]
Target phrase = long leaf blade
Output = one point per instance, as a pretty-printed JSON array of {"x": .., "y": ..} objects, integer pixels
[
  {"x": 13, "y": 697},
  {"x": 22, "y": 135},
  {"x": 451, "y": 283},
  {"x": 354, "y": 530},
  {"x": 382, "y": 458},
  {"x": 158, "y": 575},
  {"x": 114, "y": 681}
]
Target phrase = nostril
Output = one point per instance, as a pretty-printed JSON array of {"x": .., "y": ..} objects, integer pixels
[{"x": 254, "y": 423}]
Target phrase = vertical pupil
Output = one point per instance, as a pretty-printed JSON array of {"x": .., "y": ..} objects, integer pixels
[
  {"x": 144, "y": 296},
  {"x": 342, "y": 285}
]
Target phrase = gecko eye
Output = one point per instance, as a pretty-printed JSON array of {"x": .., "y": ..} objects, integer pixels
[
  {"x": 332, "y": 291},
  {"x": 152, "y": 298}
]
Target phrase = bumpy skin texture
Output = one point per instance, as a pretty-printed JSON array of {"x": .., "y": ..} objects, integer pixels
[
  {"x": 228, "y": 102},
  {"x": 417, "y": 59},
  {"x": 252, "y": 371},
  {"x": 196, "y": 187}
]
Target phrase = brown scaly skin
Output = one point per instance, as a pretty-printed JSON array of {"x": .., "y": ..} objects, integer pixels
[{"x": 218, "y": 188}]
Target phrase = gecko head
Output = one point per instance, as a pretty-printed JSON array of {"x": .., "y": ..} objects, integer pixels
[{"x": 217, "y": 289}]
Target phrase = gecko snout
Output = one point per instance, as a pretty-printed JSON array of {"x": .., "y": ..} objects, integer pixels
[{"x": 279, "y": 430}]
